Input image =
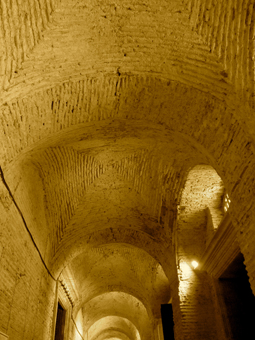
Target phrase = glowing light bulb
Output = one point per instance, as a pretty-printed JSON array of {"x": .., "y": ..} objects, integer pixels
[{"x": 194, "y": 264}]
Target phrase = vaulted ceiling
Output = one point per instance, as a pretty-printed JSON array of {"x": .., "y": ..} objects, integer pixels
[{"x": 105, "y": 107}]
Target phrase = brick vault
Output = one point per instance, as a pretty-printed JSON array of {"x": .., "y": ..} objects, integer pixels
[{"x": 127, "y": 132}]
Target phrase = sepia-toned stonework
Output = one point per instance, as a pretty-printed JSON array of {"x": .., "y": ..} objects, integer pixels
[{"x": 127, "y": 133}]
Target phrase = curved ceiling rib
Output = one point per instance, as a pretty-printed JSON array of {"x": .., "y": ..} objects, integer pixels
[
  {"x": 100, "y": 270},
  {"x": 120, "y": 305},
  {"x": 113, "y": 326},
  {"x": 87, "y": 38}
]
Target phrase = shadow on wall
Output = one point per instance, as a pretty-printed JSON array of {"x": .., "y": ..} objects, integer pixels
[{"x": 237, "y": 301}]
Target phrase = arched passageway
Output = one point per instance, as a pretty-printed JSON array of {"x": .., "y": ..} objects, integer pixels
[{"x": 123, "y": 125}]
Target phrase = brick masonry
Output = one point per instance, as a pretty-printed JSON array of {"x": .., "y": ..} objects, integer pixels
[{"x": 121, "y": 126}]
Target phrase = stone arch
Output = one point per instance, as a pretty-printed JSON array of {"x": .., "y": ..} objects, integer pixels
[
  {"x": 120, "y": 289},
  {"x": 99, "y": 270},
  {"x": 199, "y": 215},
  {"x": 200, "y": 211},
  {"x": 129, "y": 330},
  {"x": 160, "y": 98},
  {"x": 217, "y": 131},
  {"x": 155, "y": 248},
  {"x": 138, "y": 80},
  {"x": 120, "y": 305}
]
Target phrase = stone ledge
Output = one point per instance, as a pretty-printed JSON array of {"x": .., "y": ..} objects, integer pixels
[{"x": 222, "y": 249}]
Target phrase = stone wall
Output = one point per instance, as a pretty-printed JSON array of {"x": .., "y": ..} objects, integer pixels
[
  {"x": 104, "y": 109},
  {"x": 27, "y": 291}
]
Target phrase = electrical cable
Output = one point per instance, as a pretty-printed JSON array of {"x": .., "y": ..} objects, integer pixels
[{"x": 31, "y": 237}]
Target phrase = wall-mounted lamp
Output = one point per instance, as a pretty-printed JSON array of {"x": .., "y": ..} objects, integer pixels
[{"x": 194, "y": 264}]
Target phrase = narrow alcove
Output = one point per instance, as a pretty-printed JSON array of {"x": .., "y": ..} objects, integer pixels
[
  {"x": 238, "y": 299},
  {"x": 167, "y": 321},
  {"x": 60, "y": 323}
]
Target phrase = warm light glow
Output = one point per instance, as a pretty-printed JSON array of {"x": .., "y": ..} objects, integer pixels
[
  {"x": 79, "y": 325},
  {"x": 185, "y": 269},
  {"x": 185, "y": 273},
  {"x": 227, "y": 202},
  {"x": 194, "y": 264}
]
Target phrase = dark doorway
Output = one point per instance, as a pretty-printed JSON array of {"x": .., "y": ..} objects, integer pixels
[
  {"x": 60, "y": 324},
  {"x": 167, "y": 321},
  {"x": 239, "y": 300}
]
